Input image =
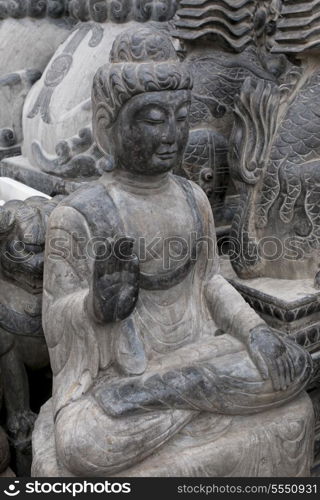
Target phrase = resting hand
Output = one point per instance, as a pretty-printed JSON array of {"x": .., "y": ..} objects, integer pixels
[{"x": 272, "y": 355}]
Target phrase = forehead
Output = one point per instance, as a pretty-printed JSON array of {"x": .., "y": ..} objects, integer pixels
[{"x": 166, "y": 99}]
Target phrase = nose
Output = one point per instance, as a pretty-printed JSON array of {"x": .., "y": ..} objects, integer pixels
[{"x": 169, "y": 133}]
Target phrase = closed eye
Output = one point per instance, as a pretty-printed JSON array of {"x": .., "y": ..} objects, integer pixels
[
  {"x": 152, "y": 122},
  {"x": 182, "y": 114}
]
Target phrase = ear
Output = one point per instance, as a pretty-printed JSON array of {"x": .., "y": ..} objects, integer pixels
[{"x": 101, "y": 128}]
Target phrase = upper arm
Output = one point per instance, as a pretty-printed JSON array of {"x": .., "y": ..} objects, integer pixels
[
  {"x": 205, "y": 209},
  {"x": 210, "y": 259},
  {"x": 67, "y": 262}
]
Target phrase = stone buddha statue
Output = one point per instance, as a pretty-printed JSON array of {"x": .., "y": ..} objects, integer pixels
[{"x": 154, "y": 354}]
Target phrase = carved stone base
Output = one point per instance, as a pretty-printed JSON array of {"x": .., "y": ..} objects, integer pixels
[
  {"x": 21, "y": 170},
  {"x": 275, "y": 443},
  {"x": 291, "y": 306}
]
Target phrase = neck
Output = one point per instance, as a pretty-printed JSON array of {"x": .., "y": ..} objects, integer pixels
[{"x": 139, "y": 183}]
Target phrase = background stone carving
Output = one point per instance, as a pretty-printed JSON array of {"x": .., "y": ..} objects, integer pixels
[
  {"x": 275, "y": 156},
  {"x": 224, "y": 44},
  {"x": 26, "y": 46},
  {"x": 22, "y": 343}
]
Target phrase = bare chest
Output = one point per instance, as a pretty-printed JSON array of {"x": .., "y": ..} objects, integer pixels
[{"x": 162, "y": 227}]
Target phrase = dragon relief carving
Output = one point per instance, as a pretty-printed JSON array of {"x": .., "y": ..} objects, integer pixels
[
  {"x": 230, "y": 47},
  {"x": 275, "y": 156}
]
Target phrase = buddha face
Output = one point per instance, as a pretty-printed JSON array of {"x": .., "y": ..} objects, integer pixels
[{"x": 152, "y": 131}]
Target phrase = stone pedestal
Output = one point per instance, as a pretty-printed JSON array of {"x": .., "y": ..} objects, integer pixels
[
  {"x": 277, "y": 443},
  {"x": 291, "y": 306}
]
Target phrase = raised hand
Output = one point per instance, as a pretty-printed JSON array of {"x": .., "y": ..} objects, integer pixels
[
  {"x": 115, "y": 285},
  {"x": 274, "y": 356}
]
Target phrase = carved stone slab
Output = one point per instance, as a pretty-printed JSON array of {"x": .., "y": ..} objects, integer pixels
[{"x": 291, "y": 306}]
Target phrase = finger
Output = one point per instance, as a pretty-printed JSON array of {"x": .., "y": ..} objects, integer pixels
[
  {"x": 132, "y": 265},
  {"x": 113, "y": 264},
  {"x": 281, "y": 372},
  {"x": 108, "y": 293},
  {"x": 105, "y": 262},
  {"x": 261, "y": 365},
  {"x": 287, "y": 376},
  {"x": 291, "y": 366},
  {"x": 274, "y": 374},
  {"x": 123, "y": 248}
]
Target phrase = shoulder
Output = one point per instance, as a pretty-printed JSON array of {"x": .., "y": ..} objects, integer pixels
[
  {"x": 86, "y": 198},
  {"x": 201, "y": 197},
  {"x": 91, "y": 206},
  {"x": 75, "y": 210}
]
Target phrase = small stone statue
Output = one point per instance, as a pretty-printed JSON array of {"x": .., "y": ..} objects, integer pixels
[
  {"x": 154, "y": 354},
  {"x": 22, "y": 343}
]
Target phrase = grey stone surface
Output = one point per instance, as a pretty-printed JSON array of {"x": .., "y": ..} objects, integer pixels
[
  {"x": 291, "y": 306},
  {"x": 223, "y": 45},
  {"x": 155, "y": 352},
  {"x": 22, "y": 343},
  {"x": 275, "y": 158},
  {"x": 30, "y": 34},
  {"x": 57, "y": 116},
  {"x": 57, "y": 119}
]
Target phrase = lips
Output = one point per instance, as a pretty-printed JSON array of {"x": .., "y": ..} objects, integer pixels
[{"x": 167, "y": 155}]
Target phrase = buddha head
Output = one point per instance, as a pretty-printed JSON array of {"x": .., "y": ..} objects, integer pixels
[{"x": 141, "y": 103}]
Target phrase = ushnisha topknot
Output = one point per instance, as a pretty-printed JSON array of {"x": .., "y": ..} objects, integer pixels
[
  {"x": 122, "y": 11},
  {"x": 141, "y": 60}
]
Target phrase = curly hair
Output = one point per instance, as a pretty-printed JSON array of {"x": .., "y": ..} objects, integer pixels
[
  {"x": 123, "y": 10},
  {"x": 141, "y": 60},
  {"x": 119, "y": 11},
  {"x": 33, "y": 8}
]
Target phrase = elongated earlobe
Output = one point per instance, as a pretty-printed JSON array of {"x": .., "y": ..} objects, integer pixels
[{"x": 101, "y": 131}]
